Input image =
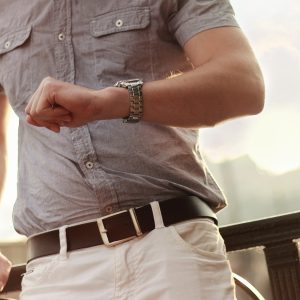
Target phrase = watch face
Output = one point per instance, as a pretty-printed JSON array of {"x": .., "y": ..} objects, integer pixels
[
  {"x": 130, "y": 82},
  {"x": 134, "y": 81}
]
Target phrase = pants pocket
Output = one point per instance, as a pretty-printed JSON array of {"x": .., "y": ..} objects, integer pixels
[
  {"x": 39, "y": 270},
  {"x": 201, "y": 237}
]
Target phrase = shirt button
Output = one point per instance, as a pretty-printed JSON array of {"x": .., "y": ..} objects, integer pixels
[
  {"x": 119, "y": 23},
  {"x": 89, "y": 165},
  {"x": 7, "y": 44},
  {"x": 109, "y": 209},
  {"x": 61, "y": 36}
]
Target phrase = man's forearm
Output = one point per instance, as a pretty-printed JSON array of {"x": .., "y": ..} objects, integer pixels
[
  {"x": 225, "y": 83},
  {"x": 203, "y": 97},
  {"x": 3, "y": 113},
  {"x": 2, "y": 166}
]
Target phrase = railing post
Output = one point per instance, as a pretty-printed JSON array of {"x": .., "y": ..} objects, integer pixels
[{"x": 284, "y": 270}]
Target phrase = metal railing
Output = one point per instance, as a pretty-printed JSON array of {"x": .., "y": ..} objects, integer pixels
[{"x": 277, "y": 235}]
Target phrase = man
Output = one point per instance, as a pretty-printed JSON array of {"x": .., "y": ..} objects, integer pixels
[{"x": 79, "y": 161}]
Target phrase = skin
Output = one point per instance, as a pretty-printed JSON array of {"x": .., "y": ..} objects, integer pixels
[
  {"x": 5, "y": 267},
  {"x": 226, "y": 82},
  {"x": 3, "y": 113},
  {"x": 5, "y": 264}
]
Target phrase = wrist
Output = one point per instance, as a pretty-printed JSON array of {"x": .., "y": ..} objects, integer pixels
[
  {"x": 136, "y": 101},
  {"x": 111, "y": 103}
]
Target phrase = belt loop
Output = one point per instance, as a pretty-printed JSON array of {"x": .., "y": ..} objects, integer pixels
[
  {"x": 63, "y": 243},
  {"x": 158, "y": 220}
]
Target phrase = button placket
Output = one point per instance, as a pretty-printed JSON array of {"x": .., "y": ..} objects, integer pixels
[
  {"x": 63, "y": 47},
  {"x": 61, "y": 36}
]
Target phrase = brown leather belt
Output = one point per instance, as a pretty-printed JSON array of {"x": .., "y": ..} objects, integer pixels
[{"x": 119, "y": 227}]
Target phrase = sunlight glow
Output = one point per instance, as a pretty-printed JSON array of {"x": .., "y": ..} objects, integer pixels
[
  {"x": 274, "y": 142},
  {"x": 10, "y": 186}
]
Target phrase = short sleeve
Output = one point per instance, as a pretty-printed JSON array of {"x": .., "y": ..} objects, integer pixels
[{"x": 194, "y": 16}]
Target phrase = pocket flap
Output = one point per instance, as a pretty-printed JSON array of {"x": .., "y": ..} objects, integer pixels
[
  {"x": 14, "y": 39},
  {"x": 121, "y": 20}
]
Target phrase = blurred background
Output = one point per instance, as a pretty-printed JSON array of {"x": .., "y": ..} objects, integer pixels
[{"x": 256, "y": 159}]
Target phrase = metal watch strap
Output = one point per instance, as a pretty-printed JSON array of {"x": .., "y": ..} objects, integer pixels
[{"x": 134, "y": 87}]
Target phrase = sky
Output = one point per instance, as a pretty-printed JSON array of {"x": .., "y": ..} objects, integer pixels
[{"x": 271, "y": 138}]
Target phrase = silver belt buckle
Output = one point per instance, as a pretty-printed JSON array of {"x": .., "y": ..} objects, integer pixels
[{"x": 103, "y": 230}]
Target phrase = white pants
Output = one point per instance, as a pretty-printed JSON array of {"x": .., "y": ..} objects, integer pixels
[{"x": 181, "y": 262}]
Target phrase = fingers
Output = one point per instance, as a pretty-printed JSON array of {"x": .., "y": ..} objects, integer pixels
[
  {"x": 51, "y": 114},
  {"x": 53, "y": 123},
  {"x": 42, "y": 109},
  {"x": 32, "y": 102},
  {"x": 55, "y": 127},
  {"x": 5, "y": 267},
  {"x": 56, "y": 103}
]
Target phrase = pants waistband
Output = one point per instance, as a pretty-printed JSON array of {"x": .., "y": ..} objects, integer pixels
[{"x": 120, "y": 227}]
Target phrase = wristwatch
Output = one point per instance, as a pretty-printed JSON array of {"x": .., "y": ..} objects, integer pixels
[{"x": 134, "y": 87}]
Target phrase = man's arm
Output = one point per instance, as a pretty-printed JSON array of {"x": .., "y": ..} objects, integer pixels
[
  {"x": 5, "y": 267},
  {"x": 5, "y": 264},
  {"x": 225, "y": 83},
  {"x": 3, "y": 112}
]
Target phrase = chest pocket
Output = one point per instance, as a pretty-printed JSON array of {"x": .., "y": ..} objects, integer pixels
[
  {"x": 9, "y": 42},
  {"x": 14, "y": 64},
  {"x": 121, "y": 44}
]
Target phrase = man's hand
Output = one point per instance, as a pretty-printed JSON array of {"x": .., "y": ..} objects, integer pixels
[
  {"x": 56, "y": 103},
  {"x": 5, "y": 267}
]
